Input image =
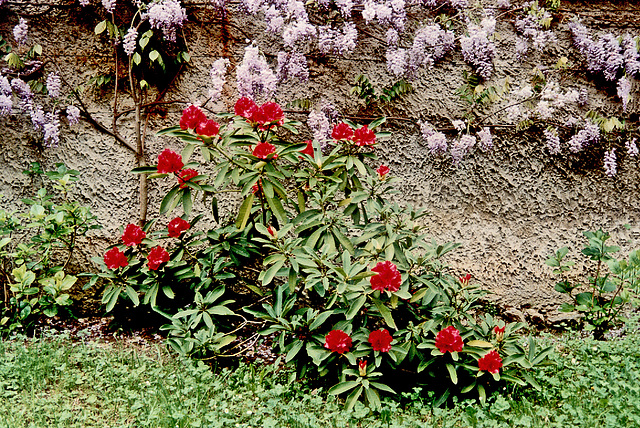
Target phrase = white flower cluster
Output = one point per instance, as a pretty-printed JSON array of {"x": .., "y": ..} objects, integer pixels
[
  {"x": 430, "y": 44},
  {"x": 168, "y": 16},
  {"x": 610, "y": 167},
  {"x": 477, "y": 49},
  {"x": 6, "y": 103},
  {"x": 292, "y": 65},
  {"x": 254, "y": 77},
  {"x": 109, "y": 5},
  {"x": 531, "y": 32},
  {"x": 338, "y": 41},
  {"x": 217, "y": 75},
  {"x": 53, "y": 85},
  {"x": 73, "y": 115},
  {"x": 320, "y": 125},
  {"x": 129, "y": 41},
  {"x": 21, "y": 31}
]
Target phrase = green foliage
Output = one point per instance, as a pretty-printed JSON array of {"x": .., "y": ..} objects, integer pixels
[
  {"x": 35, "y": 248},
  {"x": 610, "y": 286},
  {"x": 322, "y": 229},
  {"x": 363, "y": 89}
]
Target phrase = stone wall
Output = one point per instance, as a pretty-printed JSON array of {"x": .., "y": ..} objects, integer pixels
[{"x": 510, "y": 207}]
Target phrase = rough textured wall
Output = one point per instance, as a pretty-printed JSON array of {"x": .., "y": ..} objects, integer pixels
[{"x": 509, "y": 208}]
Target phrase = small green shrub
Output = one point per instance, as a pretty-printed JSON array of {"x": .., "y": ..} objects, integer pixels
[
  {"x": 610, "y": 285},
  {"x": 36, "y": 247}
]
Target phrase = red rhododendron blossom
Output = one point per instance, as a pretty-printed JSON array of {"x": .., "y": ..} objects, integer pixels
[
  {"x": 387, "y": 278},
  {"x": 208, "y": 128},
  {"x": 186, "y": 175},
  {"x": 192, "y": 116},
  {"x": 308, "y": 150},
  {"x": 268, "y": 113},
  {"x": 156, "y": 257},
  {"x": 380, "y": 340},
  {"x": 449, "y": 340},
  {"x": 263, "y": 150},
  {"x": 364, "y": 137},
  {"x": 382, "y": 171},
  {"x": 133, "y": 235},
  {"x": 337, "y": 341},
  {"x": 342, "y": 131},
  {"x": 169, "y": 162},
  {"x": 491, "y": 362},
  {"x": 257, "y": 187},
  {"x": 114, "y": 258},
  {"x": 245, "y": 107},
  {"x": 177, "y": 226},
  {"x": 465, "y": 279},
  {"x": 497, "y": 329},
  {"x": 272, "y": 231}
]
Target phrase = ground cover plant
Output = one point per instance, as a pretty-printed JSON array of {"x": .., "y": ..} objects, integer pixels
[{"x": 64, "y": 382}]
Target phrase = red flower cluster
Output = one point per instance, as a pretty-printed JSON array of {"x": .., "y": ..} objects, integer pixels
[
  {"x": 156, "y": 257},
  {"x": 257, "y": 187},
  {"x": 177, "y": 226},
  {"x": 342, "y": 131},
  {"x": 307, "y": 150},
  {"x": 380, "y": 340},
  {"x": 337, "y": 341},
  {"x": 498, "y": 330},
  {"x": 465, "y": 279},
  {"x": 364, "y": 137},
  {"x": 382, "y": 171},
  {"x": 387, "y": 278},
  {"x": 186, "y": 175},
  {"x": 362, "y": 367},
  {"x": 266, "y": 115},
  {"x": 263, "y": 150},
  {"x": 133, "y": 235},
  {"x": 169, "y": 162},
  {"x": 192, "y": 116},
  {"x": 491, "y": 362},
  {"x": 114, "y": 258},
  {"x": 208, "y": 128},
  {"x": 245, "y": 107},
  {"x": 449, "y": 340}
]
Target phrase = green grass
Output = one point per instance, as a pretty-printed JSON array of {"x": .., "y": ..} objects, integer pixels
[{"x": 55, "y": 382}]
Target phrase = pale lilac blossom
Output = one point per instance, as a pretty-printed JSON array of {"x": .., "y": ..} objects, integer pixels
[
  {"x": 168, "y": 16},
  {"x": 477, "y": 49},
  {"x": 53, "y": 84},
  {"x": 632, "y": 148},
  {"x": 437, "y": 143},
  {"x": 610, "y": 167},
  {"x": 553, "y": 140},
  {"x": 109, "y": 5},
  {"x": 292, "y": 65},
  {"x": 430, "y": 44},
  {"x": 396, "y": 61},
  {"x": 624, "y": 91},
  {"x": 590, "y": 134},
  {"x": 84, "y": 3},
  {"x": 52, "y": 130},
  {"x": 274, "y": 19},
  {"x": 5, "y": 104},
  {"x": 38, "y": 118},
  {"x": 21, "y": 31},
  {"x": 73, "y": 115},
  {"x": 5, "y": 86},
  {"x": 319, "y": 124},
  {"x": 217, "y": 75},
  {"x": 461, "y": 147},
  {"x": 485, "y": 139},
  {"x": 427, "y": 130},
  {"x": 254, "y": 77},
  {"x": 631, "y": 56},
  {"x": 129, "y": 41},
  {"x": 392, "y": 37}
]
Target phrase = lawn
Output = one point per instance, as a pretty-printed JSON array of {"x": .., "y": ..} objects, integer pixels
[{"x": 57, "y": 381}]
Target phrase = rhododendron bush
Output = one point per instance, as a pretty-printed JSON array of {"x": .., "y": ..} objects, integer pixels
[{"x": 352, "y": 289}]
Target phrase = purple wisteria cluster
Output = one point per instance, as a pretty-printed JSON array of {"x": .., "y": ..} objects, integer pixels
[
  {"x": 254, "y": 77},
  {"x": 217, "y": 74},
  {"x": 607, "y": 55},
  {"x": 477, "y": 48},
  {"x": 430, "y": 44},
  {"x": 340, "y": 41},
  {"x": 21, "y": 31},
  {"x": 532, "y": 30},
  {"x": 462, "y": 144},
  {"x": 168, "y": 16}
]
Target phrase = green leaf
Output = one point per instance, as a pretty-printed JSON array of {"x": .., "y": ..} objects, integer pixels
[
  {"x": 278, "y": 210},
  {"x": 352, "y": 399},
  {"x": 132, "y": 295},
  {"x": 452, "y": 373},
  {"x": 344, "y": 241},
  {"x": 154, "y": 55},
  {"x": 144, "y": 170},
  {"x": 187, "y": 202},
  {"x": 355, "y": 307},
  {"x": 244, "y": 212},
  {"x": 377, "y": 122},
  {"x": 168, "y": 200},
  {"x": 342, "y": 387},
  {"x": 385, "y": 312},
  {"x": 102, "y": 25}
]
